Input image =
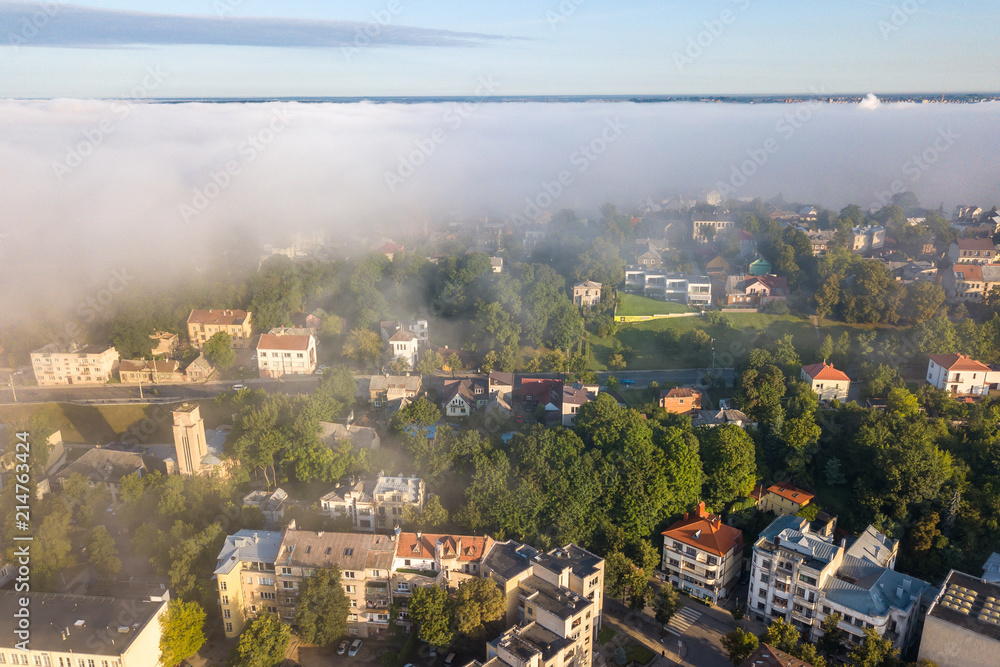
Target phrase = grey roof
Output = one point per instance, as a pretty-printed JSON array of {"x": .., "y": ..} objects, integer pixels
[
  {"x": 991, "y": 273},
  {"x": 969, "y": 602},
  {"x": 508, "y": 559},
  {"x": 873, "y": 547},
  {"x": 103, "y": 619},
  {"x": 357, "y": 486},
  {"x": 556, "y": 600},
  {"x": 387, "y": 382},
  {"x": 546, "y": 642},
  {"x": 870, "y": 590},
  {"x": 361, "y": 437},
  {"x": 991, "y": 569},
  {"x": 248, "y": 546},
  {"x": 104, "y": 465},
  {"x": 787, "y": 532},
  {"x": 582, "y": 562},
  {"x": 407, "y": 486}
]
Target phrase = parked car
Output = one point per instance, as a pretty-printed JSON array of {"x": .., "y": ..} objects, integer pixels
[
  {"x": 342, "y": 649},
  {"x": 450, "y": 659},
  {"x": 239, "y": 387},
  {"x": 434, "y": 652},
  {"x": 627, "y": 382},
  {"x": 355, "y": 647}
]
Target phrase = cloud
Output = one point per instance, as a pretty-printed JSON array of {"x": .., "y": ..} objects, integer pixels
[
  {"x": 870, "y": 102},
  {"x": 63, "y": 25},
  {"x": 255, "y": 173}
]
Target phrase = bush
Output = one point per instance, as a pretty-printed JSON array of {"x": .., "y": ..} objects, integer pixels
[{"x": 775, "y": 307}]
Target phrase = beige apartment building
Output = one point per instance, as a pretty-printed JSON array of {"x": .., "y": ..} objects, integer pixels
[
  {"x": 245, "y": 579},
  {"x": 203, "y": 324},
  {"x": 57, "y": 364},
  {"x": 702, "y": 555},
  {"x": 374, "y": 504}
]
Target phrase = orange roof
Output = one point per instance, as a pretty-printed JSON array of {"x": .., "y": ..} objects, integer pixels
[
  {"x": 957, "y": 362},
  {"x": 706, "y": 532},
  {"x": 975, "y": 244},
  {"x": 792, "y": 493},
  {"x": 969, "y": 271},
  {"x": 283, "y": 342},
  {"x": 462, "y": 547},
  {"x": 682, "y": 392},
  {"x": 825, "y": 371}
]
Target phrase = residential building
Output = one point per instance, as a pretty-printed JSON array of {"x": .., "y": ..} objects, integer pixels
[
  {"x": 866, "y": 239},
  {"x": 351, "y": 498},
  {"x": 449, "y": 355},
  {"x": 718, "y": 268},
  {"x": 280, "y": 354},
  {"x": 677, "y": 287},
  {"x": 360, "y": 437},
  {"x": 648, "y": 255},
  {"x": 959, "y": 375},
  {"x": 759, "y": 267},
  {"x": 57, "y": 364},
  {"x": 754, "y": 291},
  {"x": 547, "y": 394},
  {"x": 460, "y": 398},
  {"x": 970, "y": 282},
  {"x": 199, "y": 370},
  {"x": 386, "y": 388},
  {"x": 962, "y": 626},
  {"x": 245, "y": 577},
  {"x": 748, "y": 245},
  {"x": 189, "y": 439},
  {"x": 164, "y": 343},
  {"x": 103, "y": 467},
  {"x": 203, "y": 324},
  {"x": 768, "y": 656},
  {"x": 272, "y": 504},
  {"x": 972, "y": 251},
  {"x": 496, "y": 263},
  {"x": 801, "y": 574},
  {"x": 575, "y": 396},
  {"x": 81, "y": 631},
  {"x": 376, "y": 504},
  {"x": 587, "y": 293},
  {"x": 783, "y": 499},
  {"x": 702, "y": 555},
  {"x": 681, "y": 400},
  {"x": 720, "y": 417},
  {"x": 827, "y": 382},
  {"x": 150, "y": 372},
  {"x": 920, "y": 270},
  {"x": 390, "y": 249},
  {"x": 821, "y": 241},
  {"x": 404, "y": 345},
  {"x": 708, "y": 230},
  {"x": 418, "y": 327}
]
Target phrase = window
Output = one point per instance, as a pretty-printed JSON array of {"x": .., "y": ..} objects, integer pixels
[
  {"x": 827, "y": 610},
  {"x": 348, "y": 552},
  {"x": 350, "y": 589},
  {"x": 354, "y": 603},
  {"x": 764, "y": 578},
  {"x": 229, "y": 627},
  {"x": 226, "y": 614},
  {"x": 348, "y": 574},
  {"x": 286, "y": 570},
  {"x": 402, "y": 587},
  {"x": 287, "y": 585},
  {"x": 225, "y": 599},
  {"x": 222, "y": 585}
]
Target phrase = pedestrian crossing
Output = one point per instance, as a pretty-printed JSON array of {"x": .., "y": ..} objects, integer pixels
[{"x": 682, "y": 620}]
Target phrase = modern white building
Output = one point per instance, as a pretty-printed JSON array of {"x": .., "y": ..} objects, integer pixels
[
  {"x": 677, "y": 287},
  {"x": 286, "y": 354},
  {"x": 57, "y": 364},
  {"x": 404, "y": 345}
]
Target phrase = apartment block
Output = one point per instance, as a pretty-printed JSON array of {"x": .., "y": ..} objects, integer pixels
[
  {"x": 376, "y": 504},
  {"x": 203, "y": 324},
  {"x": 962, "y": 626},
  {"x": 58, "y": 365},
  {"x": 245, "y": 579},
  {"x": 801, "y": 574},
  {"x": 82, "y": 631},
  {"x": 683, "y": 288},
  {"x": 702, "y": 555},
  {"x": 280, "y": 354}
]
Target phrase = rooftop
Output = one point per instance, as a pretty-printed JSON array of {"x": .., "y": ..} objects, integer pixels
[
  {"x": 791, "y": 493},
  {"x": 218, "y": 317},
  {"x": 465, "y": 548},
  {"x": 768, "y": 656},
  {"x": 509, "y": 559},
  {"x": 556, "y": 600},
  {"x": 958, "y": 362},
  {"x": 284, "y": 342},
  {"x": 582, "y": 562},
  {"x": 248, "y": 546},
  {"x": 970, "y": 603},
  {"x": 706, "y": 532},
  {"x": 104, "y": 465},
  {"x": 349, "y": 551},
  {"x": 825, "y": 371},
  {"x": 975, "y": 244}
]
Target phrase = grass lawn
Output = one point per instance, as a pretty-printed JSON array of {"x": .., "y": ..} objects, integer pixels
[
  {"x": 639, "y": 654},
  {"x": 632, "y": 305},
  {"x": 605, "y": 635}
]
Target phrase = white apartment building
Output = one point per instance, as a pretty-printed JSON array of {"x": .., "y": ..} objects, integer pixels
[
  {"x": 683, "y": 288},
  {"x": 286, "y": 354},
  {"x": 404, "y": 344},
  {"x": 374, "y": 504},
  {"x": 57, "y": 364},
  {"x": 707, "y": 230},
  {"x": 801, "y": 574}
]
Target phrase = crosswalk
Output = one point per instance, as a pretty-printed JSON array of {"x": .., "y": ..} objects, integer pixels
[{"x": 682, "y": 620}]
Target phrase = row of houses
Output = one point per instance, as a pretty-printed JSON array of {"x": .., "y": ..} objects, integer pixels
[{"x": 692, "y": 290}]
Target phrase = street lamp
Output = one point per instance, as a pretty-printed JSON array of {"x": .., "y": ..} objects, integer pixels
[{"x": 10, "y": 379}]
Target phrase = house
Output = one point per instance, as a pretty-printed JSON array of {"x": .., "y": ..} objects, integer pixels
[
  {"x": 680, "y": 400},
  {"x": 465, "y": 358},
  {"x": 150, "y": 372},
  {"x": 920, "y": 270},
  {"x": 103, "y": 467},
  {"x": 755, "y": 291},
  {"x": 748, "y": 245},
  {"x": 768, "y": 656},
  {"x": 281, "y": 354},
  {"x": 783, "y": 499},
  {"x": 717, "y": 267},
  {"x": 271, "y": 503},
  {"x": 390, "y": 250},
  {"x": 759, "y": 267},
  {"x": 386, "y": 388},
  {"x": 962, "y": 626},
  {"x": 496, "y": 263},
  {"x": 535, "y": 393},
  {"x": 199, "y": 370},
  {"x": 648, "y": 255},
  {"x": 352, "y": 498},
  {"x": 58, "y": 364},
  {"x": 461, "y": 397},
  {"x": 75, "y": 630},
  {"x": 361, "y": 437},
  {"x": 392, "y": 495},
  {"x": 587, "y": 294},
  {"x": 866, "y": 239},
  {"x": 574, "y": 396},
  {"x": 702, "y": 555},
  {"x": 971, "y": 282},
  {"x": 827, "y": 382},
  {"x": 972, "y": 251},
  {"x": 720, "y": 417},
  {"x": 708, "y": 230},
  {"x": 821, "y": 240},
  {"x": 203, "y": 324},
  {"x": 403, "y": 345},
  {"x": 801, "y": 574},
  {"x": 436, "y": 558},
  {"x": 959, "y": 375},
  {"x": 418, "y": 327},
  {"x": 164, "y": 343}
]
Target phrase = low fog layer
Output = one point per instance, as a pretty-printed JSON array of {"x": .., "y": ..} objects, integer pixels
[{"x": 92, "y": 186}]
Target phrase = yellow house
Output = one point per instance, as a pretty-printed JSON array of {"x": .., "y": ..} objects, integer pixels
[
  {"x": 203, "y": 324},
  {"x": 783, "y": 499}
]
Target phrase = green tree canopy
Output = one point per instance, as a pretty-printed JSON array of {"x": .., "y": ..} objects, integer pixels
[
  {"x": 431, "y": 610},
  {"x": 182, "y": 631},
  {"x": 219, "y": 351},
  {"x": 323, "y": 608},
  {"x": 262, "y": 643}
]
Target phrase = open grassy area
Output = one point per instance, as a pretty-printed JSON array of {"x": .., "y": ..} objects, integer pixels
[
  {"x": 604, "y": 635},
  {"x": 639, "y": 654},
  {"x": 632, "y": 305}
]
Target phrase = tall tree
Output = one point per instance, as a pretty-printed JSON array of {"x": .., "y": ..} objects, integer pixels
[
  {"x": 478, "y": 602},
  {"x": 431, "y": 611},
  {"x": 182, "y": 631},
  {"x": 262, "y": 643},
  {"x": 730, "y": 465},
  {"x": 219, "y": 351},
  {"x": 875, "y": 651},
  {"x": 102, "y": 552},
  {"x": 739, "y": 644},
  {"x": 323, "y": 608}
]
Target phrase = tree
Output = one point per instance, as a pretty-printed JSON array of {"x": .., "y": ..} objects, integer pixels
[
  {"x": 262, "y": 643},
  {"x": 432, "y": 517},
  {"x": 183, "y": 631},
  {"x": 430, "y": 610},
  {"x": 826, "y": 348},
  {"x": 478, "y": 602},
  {"x": 421, "y": 414},
  {"x": 902, "y": 401},
  {"x": 875, "y": 651},
  {"x": 102, "y": 553},
  {"x": 782, "y": 635},
  {"x": 323, "y": 608},
  {"x": 730, "y": 461},
  {"x": 833, "y": 636},
  {"x": 666, "y": 604},
  {"x": 219, "y": 351},
  {"x": 364, "y": 346},
  {"x": 739, "y": 645},
  {"x": 616, "y": 362},
  {"x": 923, "y": 301},
  {"x": 131, "y": 339}
]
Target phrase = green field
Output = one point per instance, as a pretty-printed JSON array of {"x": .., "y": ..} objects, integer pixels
[{"x": 631, "y": 305}]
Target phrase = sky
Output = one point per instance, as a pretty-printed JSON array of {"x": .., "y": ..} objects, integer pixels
[{"x": 304, "y": 48}]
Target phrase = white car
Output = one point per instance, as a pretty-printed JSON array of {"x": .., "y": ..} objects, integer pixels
[
  {"x": 342, "y": 649},
  {"x": 239, "y": 387},
  {"x": 355, "y": 647}
]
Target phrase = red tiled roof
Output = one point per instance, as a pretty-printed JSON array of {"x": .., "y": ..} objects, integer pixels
[
  {"x": 825, "y": 372},
  {"x": 975, "y": 244},
  {"x": 969, "y": 272},
  {"x": 463, "y": 547},
  {"x": 791, "y": 493},
  {"x": 957, "y": 362},
  {"x": 681, "y": 392},
  {"x": 713, "y": 536},
  {"x": 283, "y": 342},
  {"x": 768, "y": 656}
]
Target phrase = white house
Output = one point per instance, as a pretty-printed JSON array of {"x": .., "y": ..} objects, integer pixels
[
  {"x": 958, "y": 374},
  {"x": 826, "y": 381},
  {"x": 461, "y": 397},
  {"x": 286, "y": 354},
  {"x": 403, "y": 345}
]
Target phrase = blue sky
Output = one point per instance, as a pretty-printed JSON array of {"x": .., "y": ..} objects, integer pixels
[{"x": 238, "y": 48}]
